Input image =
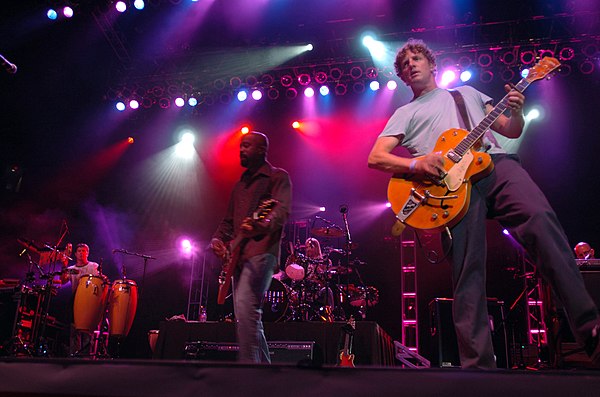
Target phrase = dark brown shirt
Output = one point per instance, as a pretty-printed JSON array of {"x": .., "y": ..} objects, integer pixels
[{"x": 266, "y": 182}]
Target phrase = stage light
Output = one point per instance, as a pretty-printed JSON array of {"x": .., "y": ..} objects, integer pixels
[
  {"x": 371, "y": 73},
  {"x": 52, "y": 14},
  {"x": 564, "y": 70},
  {"x": 545, "y": 53},
  {"x": 192, "y": 102},
  {"x": 465, "y": 61},
  {"x": 322, "y": 209},
  {"x": 185, "y": 148},
  {"x": 525, "y": 73},
  {"x": 120, "y": 6},
  {"x": 321, "y": 77},
  {"x": 486, "y": 76},
  {"x": 374, "y": 85},
  {"x": 336, "y": 74},
  {"x": 267, "y": 80},
  {"x": 296, "y": 125},
  {"x": 147, "y": 103},
  {"x": 392, "y": 85},
  {"x": 341, "y": 89},
  {"x": 447, "y": 62},
  {"x": 448, "y": 76},
  {"x": 527, "y": 57},
  {"x": 291, "y": 93},
  {"x": 179, "y": 102},
  {"x": 509, "y": 57},
  {"x": 120, "y": 106},
  {"x": 164, "y": 103},
  {"x": 590, "y": 50},
  {"x": 566, "y": 54},
  {"x": 225, "y": 98},
  {"x": 532, "y": 115},
  {"x": 273, "y": 93},
  {"x": 235, "y": 82},
  {"x": 186, "y": 246},
  {"x": 356, "y": 72},
  {"x": 134, "y": 104},
  {"x": 324, "y": 90},
  {"x": 242, "y": 96},
  {"x": 484, "y": 60},
  {"x": 130, "y": 140},
  {"x": 388, "y": 204},
  {"x": 466, "y": 76},
  {"x": 507, "y": 75},
  {"x": 256, "y": 95},
  {"x": 251, "y": 81},
  {"x": 139, "y": 4},
  {"x": 586, "y": 67},
  {"x": 309, "y": 92},
  {"x": 309, "y": 47},
  {"x": 358, "y": 87},
  {"x": 219, "y": 84},
  {"x": 304, "y": 79},
  {"x": 505, "y": 232},
  {"x": 68, "y": 12},
  {"x": 286, "y": 80},
  {"x": 158, "y": 91},
  {"x": 376, "y": 48}
]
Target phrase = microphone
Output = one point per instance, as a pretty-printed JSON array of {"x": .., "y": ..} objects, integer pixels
[
  {"x": 344, "y": 208},
  {"x": 119, "y": 250},
  {"x": 9, "y": 67}
]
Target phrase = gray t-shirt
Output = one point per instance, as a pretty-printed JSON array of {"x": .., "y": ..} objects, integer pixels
[
  {"x": 419, "y": 123},
  {"x": 77, "y": 272}
]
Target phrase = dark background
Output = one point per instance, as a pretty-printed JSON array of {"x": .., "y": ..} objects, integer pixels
[{"x": 60, "y": 129}]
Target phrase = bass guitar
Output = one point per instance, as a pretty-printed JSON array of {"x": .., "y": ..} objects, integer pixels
[
  {"x": 231, "y": 260},
  {"x": 436, "y": 203}
]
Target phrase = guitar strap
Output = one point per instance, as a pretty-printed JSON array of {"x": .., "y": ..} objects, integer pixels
[{"x": 460, "y": 103}]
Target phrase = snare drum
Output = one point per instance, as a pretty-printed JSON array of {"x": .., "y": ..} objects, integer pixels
[
  {"x": 276, "y": 301},
  {"x": 90, "y": 302},
  {"x": 122, "y": 307}
]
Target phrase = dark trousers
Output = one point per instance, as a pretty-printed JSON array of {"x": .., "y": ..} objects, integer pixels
[{"x": 510, "y": 196}]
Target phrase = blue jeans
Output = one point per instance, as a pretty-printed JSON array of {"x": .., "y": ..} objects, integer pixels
[{"x": 249, "y": 287}]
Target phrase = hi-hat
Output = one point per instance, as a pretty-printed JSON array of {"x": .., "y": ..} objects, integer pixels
[{"x": 327, "y": 231}]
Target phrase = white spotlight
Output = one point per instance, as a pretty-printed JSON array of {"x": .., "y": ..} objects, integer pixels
[{"x": 532, "y": 115}]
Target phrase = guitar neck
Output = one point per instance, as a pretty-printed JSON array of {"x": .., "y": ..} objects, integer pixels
[{"x": 477, "y": 132}]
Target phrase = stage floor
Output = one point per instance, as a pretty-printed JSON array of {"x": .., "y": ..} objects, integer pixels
[{"x": 77, "y": 377}]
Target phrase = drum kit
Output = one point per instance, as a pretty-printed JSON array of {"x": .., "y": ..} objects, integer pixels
[
  {"x": 100, "y": 307},
  {"x": 327, "y": 287}
]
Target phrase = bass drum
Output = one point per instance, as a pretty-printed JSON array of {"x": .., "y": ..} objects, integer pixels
[{"x": 276, "y": 302}]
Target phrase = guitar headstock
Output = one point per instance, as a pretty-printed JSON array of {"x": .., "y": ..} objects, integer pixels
[{"x": 541, "y": 69}]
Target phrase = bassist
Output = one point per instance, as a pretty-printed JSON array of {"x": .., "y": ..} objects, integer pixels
[
  {"x": 506, "y": 193},
  {"x": 257, "y": 241}
]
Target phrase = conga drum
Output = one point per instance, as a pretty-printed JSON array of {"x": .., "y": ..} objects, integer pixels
[
  {"x": 90, "y": 302},
  {"x": 152, "y": 338},
  {"x": 122, "y": 305}
]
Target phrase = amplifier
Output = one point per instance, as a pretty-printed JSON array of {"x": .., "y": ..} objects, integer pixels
[
  {"x": 444, "y": 336},
  {"x": 282, "y": 352}
]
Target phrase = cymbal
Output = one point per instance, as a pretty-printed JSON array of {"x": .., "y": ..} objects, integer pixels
[
  {"x": 327, "y": 231},
  {"x": 350, "y": 247}
]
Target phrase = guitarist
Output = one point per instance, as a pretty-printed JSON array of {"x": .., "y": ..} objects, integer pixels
[
  {"x": 259, "y": 254},
  {"x": 507, "y": 194}
]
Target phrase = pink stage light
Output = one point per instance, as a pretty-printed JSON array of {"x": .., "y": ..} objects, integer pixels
[
  {"x": 120, "y": 6},
  {"x": 179, "y": 102},
  {"x": 309, "y": 92},
  {"x": 392, "y": 85},
  {"x": 68, "y": 12},
  {"x": 256, "y": 95},
  {"x": 134, "y": 104}
]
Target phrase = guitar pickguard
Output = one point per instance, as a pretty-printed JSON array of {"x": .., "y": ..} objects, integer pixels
[{"x": 456, "y": 175}]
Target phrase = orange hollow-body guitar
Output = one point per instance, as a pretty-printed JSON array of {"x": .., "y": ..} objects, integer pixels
[
  {"x": 236, "y": 247},
  {"x": 434, "y": 204}
]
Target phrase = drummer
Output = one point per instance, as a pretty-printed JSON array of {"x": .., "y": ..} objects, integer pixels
[
  {"x": 317, "y": 264},
  {"x": 80, "y": 341}
]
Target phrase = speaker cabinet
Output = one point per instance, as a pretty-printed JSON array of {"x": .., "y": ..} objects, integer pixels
[
  {"x": 281, "y": 352},
  {"x": 445, "y": 352}
]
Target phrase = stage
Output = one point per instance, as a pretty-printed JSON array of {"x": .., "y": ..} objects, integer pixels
[{"x": 76, "y": 377}]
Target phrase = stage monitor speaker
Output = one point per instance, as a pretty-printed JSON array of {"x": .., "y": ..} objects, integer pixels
[
  {"x": 284, "y": 352},
  {"x": 445, "y": 353}
]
